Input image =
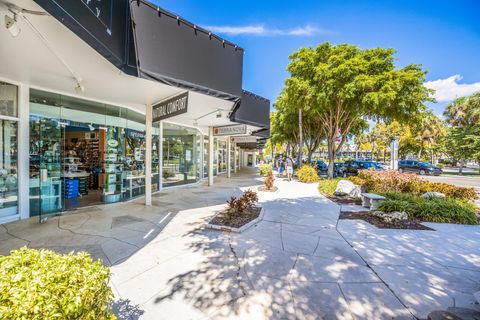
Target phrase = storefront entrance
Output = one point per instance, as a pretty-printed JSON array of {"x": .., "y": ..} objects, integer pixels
[{"x": 83, "y": 153}]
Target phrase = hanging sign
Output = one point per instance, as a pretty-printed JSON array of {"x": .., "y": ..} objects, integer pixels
[
  {"x": 170, "y": 108},
  {"x": 230, "y": 130},
  {"x": 244, "y": 139}
]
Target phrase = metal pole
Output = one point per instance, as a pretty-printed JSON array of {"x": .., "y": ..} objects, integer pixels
[{"x": 148, "y": 155}]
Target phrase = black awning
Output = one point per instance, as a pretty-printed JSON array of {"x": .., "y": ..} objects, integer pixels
[
  {"x": 104, "y": 25},
  {"x": 146, "y": 41},
  {"x": 177, "y": 52},
  {"x": 252, "y": 110},
  {"x": 262, "y": 133}
]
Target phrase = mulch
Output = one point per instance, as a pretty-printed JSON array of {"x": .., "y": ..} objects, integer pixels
[
  {"x": 379, "y": 223},
  {"x": 343, "y": 200},
  {"x": 264, "y": 189},
  {"x": 225, "y": 218}
]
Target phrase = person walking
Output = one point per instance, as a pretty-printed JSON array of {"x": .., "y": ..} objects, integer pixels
[{"x": 289, "y": 164}]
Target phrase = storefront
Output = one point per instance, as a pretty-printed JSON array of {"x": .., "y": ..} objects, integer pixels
[{"x": 77, "y": 126}]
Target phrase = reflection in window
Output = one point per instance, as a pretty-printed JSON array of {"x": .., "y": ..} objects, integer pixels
[
  {"x": 180, "y": 152},
  {"x": 8, "y": 168}
]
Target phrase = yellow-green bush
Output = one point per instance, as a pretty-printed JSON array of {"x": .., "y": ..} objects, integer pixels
[
  {"x": 265, "y": 169},
  {"x": 42, "y": 284},
  {"x": 307, "y": 174},
  {"x": 328, "y": 186},
  {"x": 443, "y": 210}
]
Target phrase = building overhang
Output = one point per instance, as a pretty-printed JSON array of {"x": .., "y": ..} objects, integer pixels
[{"x": 149, "y": 42}]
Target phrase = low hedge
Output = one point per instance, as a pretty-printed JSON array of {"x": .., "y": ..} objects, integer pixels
[
  {"x": 265, "y": 169},
  {"x": 442, "y": 210},
  {"x": 328, "y": 186},
  {"x": 42, "y": 284},
  {"x": 307, "y": 174},
  {"x": 394, "y": 181}
]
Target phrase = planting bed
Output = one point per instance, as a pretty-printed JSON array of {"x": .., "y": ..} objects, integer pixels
[
  {"x": 379, "y": 223},
  {"x": 224, "y": 218}
]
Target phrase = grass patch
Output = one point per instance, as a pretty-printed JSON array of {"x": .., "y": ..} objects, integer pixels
[
  {"x": 431, "y": 210},
  {"x": 328, "y": 186}
]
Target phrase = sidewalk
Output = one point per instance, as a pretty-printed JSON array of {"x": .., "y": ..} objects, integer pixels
[{"x": 300, "y": 262}]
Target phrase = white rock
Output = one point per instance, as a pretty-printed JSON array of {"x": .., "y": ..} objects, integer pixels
[
  {"x": 390, "y": 216},
  {"x": 344, "y": 188},
  {"x": 432, "y": 195}
]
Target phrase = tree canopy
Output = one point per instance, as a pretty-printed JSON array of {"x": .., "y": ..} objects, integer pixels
[{"x": 341, "y": 86}]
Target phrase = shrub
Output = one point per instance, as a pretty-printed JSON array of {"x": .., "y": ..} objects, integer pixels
[
  {"x": 42, "y": 284},
  {"x": 269, "y": 179},
  {"x": 433, "y": 210},
  {"x": 394, "y": 181},
  {"x": 167, "y": 174},
  {"x": 265, "y": 169},
  {"x": 247, "y": 201},
  {"x": 307, "y": 174},
  {"x": 328, "y": 186}
]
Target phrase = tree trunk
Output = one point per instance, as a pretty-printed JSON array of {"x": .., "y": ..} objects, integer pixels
[
  {"x": 460, "y": 170},
  {"x": 310, "y": 153},
  {"x": 331, "y": 156},
  {"x": 300, "y": 137}
]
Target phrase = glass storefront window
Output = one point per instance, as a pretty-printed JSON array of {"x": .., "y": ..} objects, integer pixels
[
  {"x": 8, "y": 168},
  {"x": 8, "y": 150},
  {"x": 8, "y": 100},
  {"x": 222, "y": 156},
  {"x": 180, "y": 153},
  {"x": 83, "y": 153}
]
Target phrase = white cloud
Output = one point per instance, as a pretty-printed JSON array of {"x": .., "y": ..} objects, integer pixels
[
  {"x": 261, "y": 30},
  {"x": 449, "y": 89}
]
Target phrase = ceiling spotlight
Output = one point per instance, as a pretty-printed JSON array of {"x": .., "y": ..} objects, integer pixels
[
  {"x": 12, "y": 25},
  {"x": 79, "y": 88},
  {"x": 195, "y": 123},
  {"x": 219, "y": 114}
]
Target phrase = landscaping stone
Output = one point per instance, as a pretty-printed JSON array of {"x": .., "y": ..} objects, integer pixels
[
  {"x": 433, "y": 195},
  {"x": 344, "y": 188},
  {"x": 390, "y": 216}
]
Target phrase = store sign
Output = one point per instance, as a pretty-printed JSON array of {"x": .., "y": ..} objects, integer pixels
[
  {"x": 170, "y": 108},
  {"x": 230, "y": 130},
  {"x": 244, "y": 139}
]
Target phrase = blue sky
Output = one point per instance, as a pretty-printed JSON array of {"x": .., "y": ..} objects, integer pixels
[{"x": 443, "y": 36}]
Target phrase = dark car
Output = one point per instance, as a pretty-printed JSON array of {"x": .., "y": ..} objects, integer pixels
[
  {"x": 352, "y": 167},
  {"x": 419, "y": 167},
  {"x": 321, "y": 167}
]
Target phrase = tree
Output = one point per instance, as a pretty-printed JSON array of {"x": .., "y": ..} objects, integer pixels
[
  {"x": 287, "y": 126},
  {"x": 463, "y": 114},
  {"x": 429, "y": 132},
  {"x": 343, "y": 85}
]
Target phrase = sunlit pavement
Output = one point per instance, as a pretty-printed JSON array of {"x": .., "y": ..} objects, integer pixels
[{"x": 300, "y": 262}]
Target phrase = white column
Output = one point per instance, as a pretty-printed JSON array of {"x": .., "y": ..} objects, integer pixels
[
  {"x": 160, "y": 156},
  {"x": 23, "y": 152},
  {"x": 148, "y": 154},
  {"x": 229, "y": 157},
  {"x": 235, "y": 153},
  {"x": 210, "y": 156}
]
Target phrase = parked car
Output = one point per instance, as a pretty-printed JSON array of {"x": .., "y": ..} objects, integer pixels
[
  {"x": 352, "y": 167},
  {"x": 321, "y": 167},
  {"x": 419, "y": 167},
  {"x": 383, "y": 166}
]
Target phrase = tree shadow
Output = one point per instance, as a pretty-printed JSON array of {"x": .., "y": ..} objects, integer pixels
[{"x": 124, "y": 310}]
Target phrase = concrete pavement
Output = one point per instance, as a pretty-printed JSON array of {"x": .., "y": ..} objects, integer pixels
[{"x": 300, "y": 262}]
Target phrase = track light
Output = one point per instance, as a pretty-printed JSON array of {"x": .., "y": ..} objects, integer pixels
[
  {"x": 11, "y": 25},
  {"x": 219, "y": 114},
  {"x": 91, "y": 127}
]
